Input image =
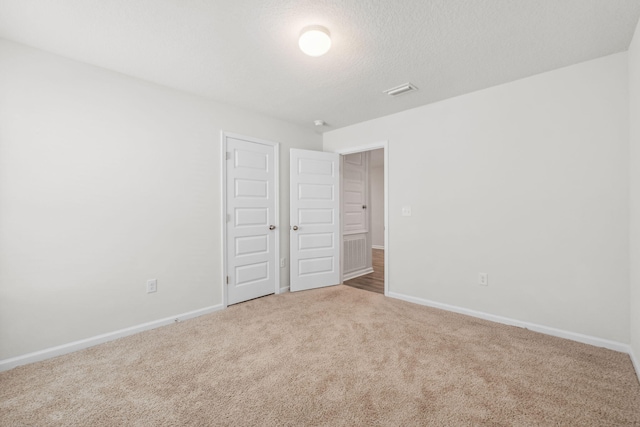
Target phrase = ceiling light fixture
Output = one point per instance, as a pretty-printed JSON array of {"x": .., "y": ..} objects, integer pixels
[{"x": 314, "y": 40}]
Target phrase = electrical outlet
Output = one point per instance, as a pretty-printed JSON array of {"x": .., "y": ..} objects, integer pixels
[
  {"x": 283, "y": 262},
  {"x": 483, "y": 279},
  {"x": 152, "y": 285}
]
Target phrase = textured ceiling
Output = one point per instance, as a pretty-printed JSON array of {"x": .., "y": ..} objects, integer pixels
[{"x": 245, "y": 53}]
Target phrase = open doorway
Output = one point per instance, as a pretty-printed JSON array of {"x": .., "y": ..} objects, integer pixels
[{"x": 363, "y": 220}]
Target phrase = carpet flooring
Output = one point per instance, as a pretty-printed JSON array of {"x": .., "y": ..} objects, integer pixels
[{"x": 329, "y": 357}]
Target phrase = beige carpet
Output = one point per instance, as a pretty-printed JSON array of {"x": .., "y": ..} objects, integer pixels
[{"x": 336, "y": 356}]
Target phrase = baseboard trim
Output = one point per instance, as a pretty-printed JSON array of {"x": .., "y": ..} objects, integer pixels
[
  {"x": 585, "y": 339},
  {"x": 377, "y": 247},
  {"x": 358, "y": 273},
  {"x": 635, "y": 362},
  {"x": 49, "y": 353},
  {"x": 284, "y": 289}
]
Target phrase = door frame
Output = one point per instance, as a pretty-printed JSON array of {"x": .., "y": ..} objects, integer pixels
[
  {"x": 358, "y": 149},
  {"x": 223, "y": 213}
]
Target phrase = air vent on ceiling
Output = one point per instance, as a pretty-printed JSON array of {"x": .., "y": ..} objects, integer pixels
[{"x": 399, "y": 90}]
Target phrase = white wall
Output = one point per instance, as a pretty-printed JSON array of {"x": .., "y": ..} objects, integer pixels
[
  {"x": 634, "y": 115},
  {"x": 376, "y": 184},
  {"x": 528, "y": 182},
  {"x": 107, "y": 181}
]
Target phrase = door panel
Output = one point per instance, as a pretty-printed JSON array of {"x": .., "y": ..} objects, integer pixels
[
  {"x": 315, "y": 241},
  {"x": 355, "y": 193},
  {"x": 315, "y": 219},
  {"x": 316, "y": 216},
  {"x": 251, "y": 210}
]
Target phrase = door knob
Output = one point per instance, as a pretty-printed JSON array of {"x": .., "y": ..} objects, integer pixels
[
  {"x": 295, "y": 227},
  {"x": 272, "y": 227}
]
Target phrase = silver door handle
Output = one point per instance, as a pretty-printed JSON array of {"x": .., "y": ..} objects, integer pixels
[
  {"x": 295, "y": 228},
  {"x": 272, "y": 227}
]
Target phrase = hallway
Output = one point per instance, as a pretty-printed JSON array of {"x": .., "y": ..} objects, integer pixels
[{"x": 373, "y": 282}]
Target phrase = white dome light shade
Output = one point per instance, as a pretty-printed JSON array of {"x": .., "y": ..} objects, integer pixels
[{"x": 314, "y": 40}]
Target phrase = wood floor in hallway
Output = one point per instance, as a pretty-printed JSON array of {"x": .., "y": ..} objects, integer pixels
[{"x": 373, "y": 282}]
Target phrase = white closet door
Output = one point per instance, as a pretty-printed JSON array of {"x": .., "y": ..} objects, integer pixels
[{"x": 251, "y": 220}]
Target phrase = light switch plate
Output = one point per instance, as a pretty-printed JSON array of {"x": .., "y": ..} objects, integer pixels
[{"x": 483, "y": 279}]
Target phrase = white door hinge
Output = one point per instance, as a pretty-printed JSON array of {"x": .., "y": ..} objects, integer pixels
[{"x": 228, "y": 155}]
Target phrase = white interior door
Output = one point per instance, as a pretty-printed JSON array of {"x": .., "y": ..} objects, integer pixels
[
  {"x": 355, "y": 179},
  {"x": 251, "y": 219},
  {"x": 315, "y": 219}
]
